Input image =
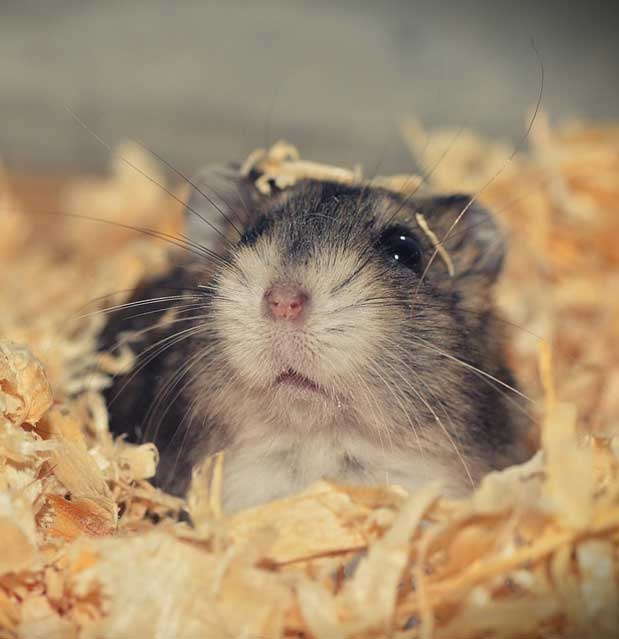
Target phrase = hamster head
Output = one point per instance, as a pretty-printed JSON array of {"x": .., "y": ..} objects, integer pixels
[
  {"x": 322, "y": 303},
  {"x": 332, "y": 315}
]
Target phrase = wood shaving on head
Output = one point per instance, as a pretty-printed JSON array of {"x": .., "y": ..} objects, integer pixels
[{"x": 281, "y": 167}]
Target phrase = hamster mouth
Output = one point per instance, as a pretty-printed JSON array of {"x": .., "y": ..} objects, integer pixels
[{"x": 290, "y": 377}]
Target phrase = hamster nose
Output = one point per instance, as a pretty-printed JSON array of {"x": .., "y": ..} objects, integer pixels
[{"x": 285, "y": 302}]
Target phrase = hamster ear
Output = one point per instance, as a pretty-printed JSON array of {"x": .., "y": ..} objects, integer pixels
[
  {"x": 477, "y": 243},
  {"x": 220, "y": 200}
]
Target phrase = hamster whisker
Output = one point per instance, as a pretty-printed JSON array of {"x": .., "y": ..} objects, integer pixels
[
  {"x": 495, "y": 385},
  {"x": 191, "y": 183},
  {"x": 493, "y": 177},
  {"x": 371, "y": 176},
  {"x": 541, "y": 182},
  {"x": 133, "y": 335},
  {"x": 400, "y": 403},
  {"x": 427, "y": 175},
  {"x": 438, "y": 420},
  {"x": 379, "y": 422},
  {"x": 424, "y": 343},
  {"x": 180, "y": 426},
  {"x": 537, "y": 183},
  {"x": 134, "y": 304},
  {"x": 381, "y": 302},
  {"x": 186, "y": 432},
  {"x": 94, "y": 300},
  {"x": 509, "y": 397},
  {"x": 502, "y": 320},
  {"x": 143, "y": 173},
  {"x": 158, "y": 347},
  {"x": 178, "y": 309},
  {"x": 180, "y": 241},
  {"x": 166, "y": 395}
]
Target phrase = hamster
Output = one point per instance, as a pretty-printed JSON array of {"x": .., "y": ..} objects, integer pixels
[{"x": 321, "y": 341}]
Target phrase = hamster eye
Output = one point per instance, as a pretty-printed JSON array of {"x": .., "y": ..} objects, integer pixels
[{"x": 400, "y": 245}]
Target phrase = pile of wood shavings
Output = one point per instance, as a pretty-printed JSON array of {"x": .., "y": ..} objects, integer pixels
[{"x": 90, "y": 549}]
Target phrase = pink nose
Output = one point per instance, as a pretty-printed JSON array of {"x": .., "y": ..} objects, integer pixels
[{"x": 285, "y": 301}]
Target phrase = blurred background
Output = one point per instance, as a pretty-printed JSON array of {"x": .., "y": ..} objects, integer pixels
[{"x": 200, "y": 81}]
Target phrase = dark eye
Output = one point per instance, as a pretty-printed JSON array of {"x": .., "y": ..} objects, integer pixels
[{"x": 400, "y": 245}]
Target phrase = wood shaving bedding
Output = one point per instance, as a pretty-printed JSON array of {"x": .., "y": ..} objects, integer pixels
[{"x": 91, "y": 549}]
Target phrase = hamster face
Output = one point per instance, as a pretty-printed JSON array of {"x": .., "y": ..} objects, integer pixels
[
  {"x": 354, "y": 294},
  {"x": 333, "y": 325}
]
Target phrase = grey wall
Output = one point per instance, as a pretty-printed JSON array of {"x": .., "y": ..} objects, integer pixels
[{"x": 202, "y": 81}]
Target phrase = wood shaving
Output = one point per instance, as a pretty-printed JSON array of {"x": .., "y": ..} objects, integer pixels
[
  {"x": 436, "y": 243},
  {"x": 281, "y": 167},
  {"x": 91, "y": 549}
]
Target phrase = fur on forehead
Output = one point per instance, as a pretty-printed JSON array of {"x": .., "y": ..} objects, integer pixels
[
  {"x": 468, "y": 231},
  {"x": 310, "y": 199}
]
